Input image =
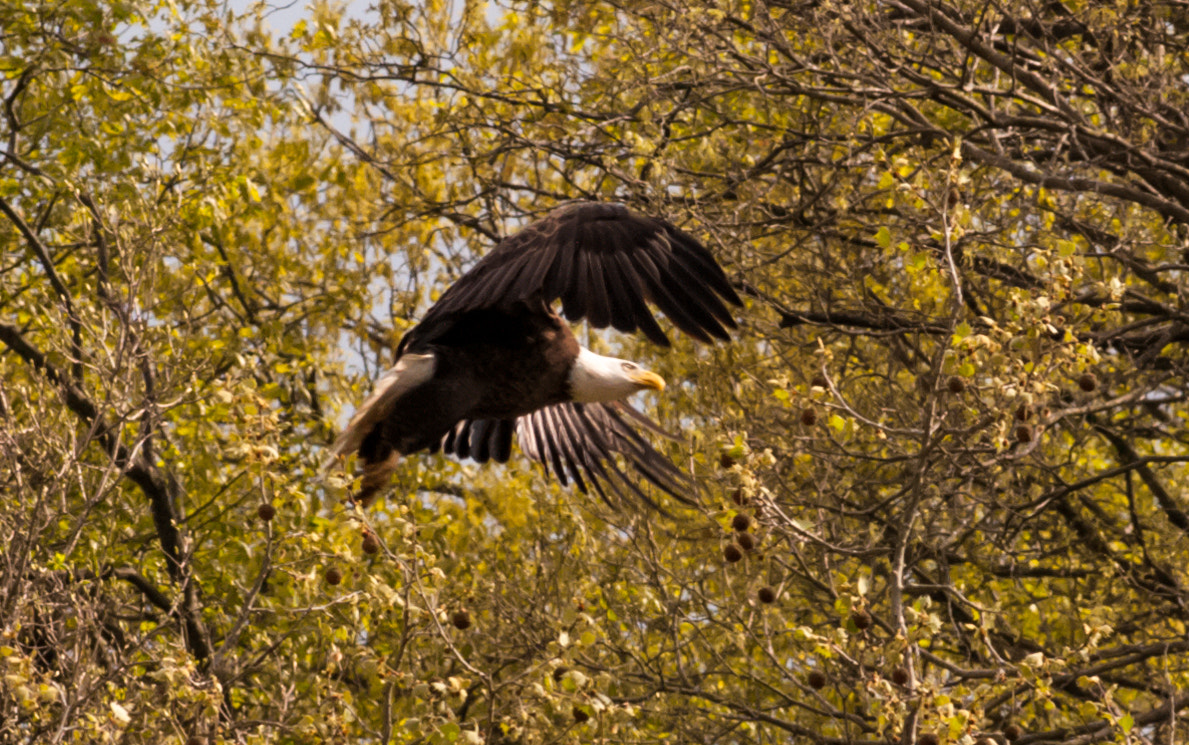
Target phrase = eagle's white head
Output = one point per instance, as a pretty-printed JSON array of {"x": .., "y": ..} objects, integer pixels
[{"x": 598, "y": 379}]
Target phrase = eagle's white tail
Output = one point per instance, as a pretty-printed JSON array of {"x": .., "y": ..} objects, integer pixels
[{"x": 410, "y": 371}]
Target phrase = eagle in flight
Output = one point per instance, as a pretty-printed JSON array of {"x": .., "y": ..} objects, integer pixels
[{"x": 493, "y": 359}]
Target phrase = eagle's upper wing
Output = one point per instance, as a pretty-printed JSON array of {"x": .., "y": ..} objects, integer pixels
[{"x": 603, "y": 261}]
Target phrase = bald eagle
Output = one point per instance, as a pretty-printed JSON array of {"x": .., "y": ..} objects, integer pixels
[{"x": 492, "y": 358}]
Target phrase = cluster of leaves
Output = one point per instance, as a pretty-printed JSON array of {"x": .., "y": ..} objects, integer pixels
[{"x": 941, "y": 468}]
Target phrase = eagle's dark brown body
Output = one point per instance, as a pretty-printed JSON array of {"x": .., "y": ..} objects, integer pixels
[{"x": 490, "y": 365}]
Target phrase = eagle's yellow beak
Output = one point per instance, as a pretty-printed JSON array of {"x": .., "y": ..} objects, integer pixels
[{"x": 646, "y": 379}]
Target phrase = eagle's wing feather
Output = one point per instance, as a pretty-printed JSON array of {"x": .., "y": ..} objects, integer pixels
[
  {"x": 581, "y": 442},
  {"x": 603, "y": 262},
  {"x": 482, "y": 440},
  {"x": 578, "y": 443}
]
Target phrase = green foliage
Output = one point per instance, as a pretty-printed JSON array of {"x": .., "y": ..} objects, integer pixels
[{"x": 943, "y": 217}]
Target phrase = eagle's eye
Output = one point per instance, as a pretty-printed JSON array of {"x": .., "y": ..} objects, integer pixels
[{"x": 629, "y": 366}]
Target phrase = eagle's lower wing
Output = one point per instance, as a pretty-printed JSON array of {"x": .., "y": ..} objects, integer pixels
[{"x": 579, "y": 443}]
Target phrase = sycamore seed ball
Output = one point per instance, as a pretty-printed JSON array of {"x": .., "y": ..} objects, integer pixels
[
  {"x": 371, "y": 544},
  {"x": 741, "y": 522},
  {"x": 816, "y": 680},
  {"x": 861, "y": 619},
  {"x": 461, "y": 620},
  {"x": 808, "y": 417},
  {"x": 732, "y": 553},
  {"x": 333, "y": 576},
  {"x": 746, "y": 541},
  {"x": 766, "y": 595},
  {"x": 266, "y": 512}
]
